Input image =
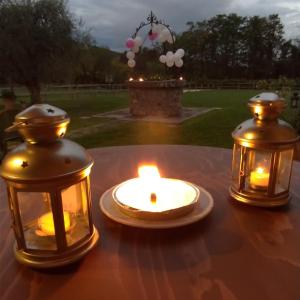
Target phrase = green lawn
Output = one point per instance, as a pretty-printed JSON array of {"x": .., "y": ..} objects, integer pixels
[{"x": 211, "y": 129}]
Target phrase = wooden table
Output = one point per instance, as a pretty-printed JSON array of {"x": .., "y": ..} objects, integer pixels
[{"x": 236, "y": 253}]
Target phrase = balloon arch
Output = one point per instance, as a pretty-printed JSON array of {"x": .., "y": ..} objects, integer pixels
[{"x": 159, "y": 31}]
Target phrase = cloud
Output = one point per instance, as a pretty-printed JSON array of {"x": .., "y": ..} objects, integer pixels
[{"x": 112, "y": 21}]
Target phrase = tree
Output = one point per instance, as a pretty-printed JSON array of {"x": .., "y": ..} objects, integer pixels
[
  {"x": 231, "y": 46},
  {"x": 36, "y": 39},
  {"x": 263, "y": 40}
]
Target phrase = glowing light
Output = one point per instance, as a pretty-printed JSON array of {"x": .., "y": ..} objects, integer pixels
[
  {"x": 46, "y": 223},
  {"x": 148, "y": 172},
  {"x": 150, "y": 192},
  {"x": 87, "y": 172},
  {"x": 180, "y": 78},
  {"x": 141, "y": 79},
  {"x": 259, "y": 178},
  {"x": 130, "y": 79},
  {"x": 258, "y": 110},
  {"x": 17, "y": 162}
]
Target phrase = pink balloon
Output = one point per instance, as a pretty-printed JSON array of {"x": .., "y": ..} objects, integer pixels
[
  {"x": 153, "y": 36},
  {"x": 130, "y": 43}
]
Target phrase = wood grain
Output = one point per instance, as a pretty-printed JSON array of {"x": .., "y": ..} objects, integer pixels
[{"x": 237, "y": 252}]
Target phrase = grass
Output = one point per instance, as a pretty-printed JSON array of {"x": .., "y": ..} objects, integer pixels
[{"x": 211, "y": 129}]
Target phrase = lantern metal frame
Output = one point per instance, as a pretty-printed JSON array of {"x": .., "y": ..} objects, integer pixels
[
  {"x": 48, "y": 164},
  {"x": 262, "y": 134}
]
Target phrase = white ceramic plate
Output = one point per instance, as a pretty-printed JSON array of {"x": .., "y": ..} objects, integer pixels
[{"x": 111, "y": 210}]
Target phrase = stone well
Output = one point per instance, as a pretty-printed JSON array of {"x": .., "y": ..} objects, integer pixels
[{"x": 156, "y": 98}]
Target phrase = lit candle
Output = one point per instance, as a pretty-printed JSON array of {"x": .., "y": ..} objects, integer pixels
[
  {"x": 259, "y": 178},
  {"x": 151, "y": 193},
  {"x": 46, "y": 223}
]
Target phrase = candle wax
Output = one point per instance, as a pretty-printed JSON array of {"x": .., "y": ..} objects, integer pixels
[
  {"x": 259, "y": 178},
  {"x": 170, "y": 194}
]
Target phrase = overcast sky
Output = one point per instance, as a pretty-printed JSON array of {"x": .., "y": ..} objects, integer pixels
[{"x": 112, "y": 21}]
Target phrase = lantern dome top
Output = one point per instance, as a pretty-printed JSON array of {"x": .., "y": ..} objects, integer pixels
[
  {"x": 39, "y": 163},
  {"x": 41, "y": 123},
  {"x": 265, "y": 128},
  {"x": 257, "y": 132},
  {"x": 41, "y": 114},
  {"x": 266, "y": 106}
]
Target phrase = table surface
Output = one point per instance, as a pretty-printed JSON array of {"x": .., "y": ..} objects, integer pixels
[{"x": 237, "y": 253}]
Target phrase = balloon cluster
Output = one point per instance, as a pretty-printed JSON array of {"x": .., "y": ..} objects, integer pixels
[
  {"x": 171, "y": 59},
  {"x": 134, "y": 46},
  {"x": 163, "y": 34}
]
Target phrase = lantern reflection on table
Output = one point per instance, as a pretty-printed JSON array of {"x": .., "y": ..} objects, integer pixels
[
  {"x": 48, "y": 191},
  {"x": 263, "y": 154}
]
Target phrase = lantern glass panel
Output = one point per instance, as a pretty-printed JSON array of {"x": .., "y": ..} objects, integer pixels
[
  {"x": 284, "y": 170},
  {"x": 236, "y": 165},
  {"x": 75, "y": 204},
  {"x": 257, "y": 173},
  {"x": 37, "y": 220}
]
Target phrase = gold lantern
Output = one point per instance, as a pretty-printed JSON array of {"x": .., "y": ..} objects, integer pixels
[
  {"x": 48, "y": 191},
  {"x": 263, "y": 154}
]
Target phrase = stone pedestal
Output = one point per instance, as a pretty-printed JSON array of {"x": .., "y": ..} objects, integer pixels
[{"x": 156, "y": 98}]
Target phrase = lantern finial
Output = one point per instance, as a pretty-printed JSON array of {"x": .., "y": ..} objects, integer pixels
[
  {"x": 266, "y": 106},
  {"x": 41, "y": 123}
]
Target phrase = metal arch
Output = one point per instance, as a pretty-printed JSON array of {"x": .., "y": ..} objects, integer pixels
[{"x": 152, "y": 19}]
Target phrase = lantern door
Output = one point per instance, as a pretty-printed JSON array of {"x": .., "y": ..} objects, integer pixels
[
  {"x": 37, "y": 220},
  {"x": 265, "y": 173},
  {"x": 75, "y": 203}
]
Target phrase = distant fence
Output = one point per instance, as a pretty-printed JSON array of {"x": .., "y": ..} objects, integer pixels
[
  {"x": 232, "y": 84},
  {"x": 74, "y": 89}
]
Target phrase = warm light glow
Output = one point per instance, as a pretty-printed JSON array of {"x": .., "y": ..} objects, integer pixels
[
  {"x": 180, "y": 78},
  {"x": 148, "y": 172},
  {"x": 259, "y": 178},
  {"x": 141, "y": 79},
  {"x": 46, "y": 223},
  {"x": 87, "y": 172},
  {"x": 17, "y": 162},
  {"x": 62, "y": 132},
  {"x": 150, "y": 192},
  {"x": 130, "y": 79},
  {"x": 260, "y": 170},
  {"x": 258, "y": 110}
]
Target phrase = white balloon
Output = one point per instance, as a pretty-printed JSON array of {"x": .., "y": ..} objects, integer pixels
[
  {"x": 161, "y": 38},
  {"x": 136, "y": 49},
  {"x": 163, "y": 59},
  {"x": 170, "y": 63},
  {"x": 131, "y": 63},
  {"x": 180, "y": 53},
  {"x": 177, "y": 56},
  {"x": 170, "y": 59},
  {"x": 170, "y": 39},
  {"x": 158, "y": 28},
  {"x": 179, "y": 63},
  {"x": 169, "y": 54},
  {"x": 130, "y": 55},
  {"x": 165, "y": 32},
  {"x": 138, "y": 41}
]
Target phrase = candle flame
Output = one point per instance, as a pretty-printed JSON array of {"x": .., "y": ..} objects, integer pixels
[
  {"x": 141, "y": 79},
  {"x": 130, "y": 79},
  {"x": 148, "y": 172},
  {"x": 260, "y": 170}
]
